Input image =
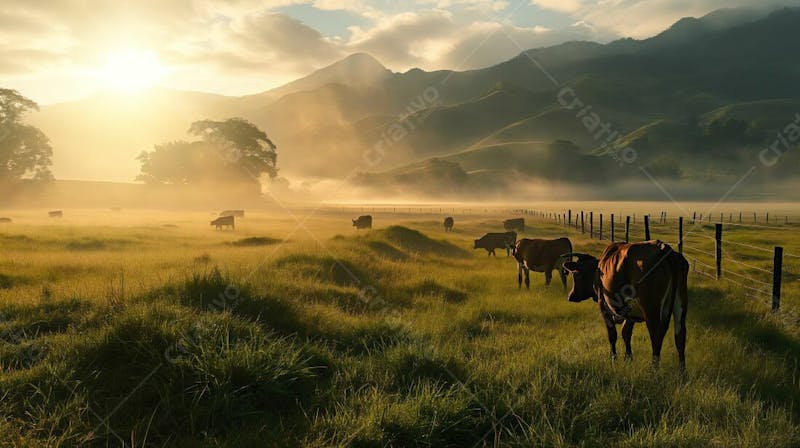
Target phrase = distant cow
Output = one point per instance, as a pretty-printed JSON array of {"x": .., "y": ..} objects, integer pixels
[
  {"x": 517, "y": 224},
  {"x": 448, "y": 224},
  {"x": 636, "y": 282},
  {"x": 541, "y": 256},
  {"x": 237, "y": 213},
  {"x": 224, "y": 221},
  {"x": 492, "y": 241},
  {"x": 5, "y": 220},
  {"x": 55, "y": 214},
  {"x": 363, "y": 222}
]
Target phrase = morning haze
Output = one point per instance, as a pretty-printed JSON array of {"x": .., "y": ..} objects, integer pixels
[{"x": 368, "y": 223}]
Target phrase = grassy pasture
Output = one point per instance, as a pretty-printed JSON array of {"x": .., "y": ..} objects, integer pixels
[{"x": 153, "y": 329}]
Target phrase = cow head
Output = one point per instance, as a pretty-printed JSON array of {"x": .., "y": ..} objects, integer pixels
[
  {"x": 475, "y": 244},
  {"x": 355, "y": 222},
  {"x": 583, "y": 274}
]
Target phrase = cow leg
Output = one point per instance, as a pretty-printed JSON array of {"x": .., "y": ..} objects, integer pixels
[
  {"x": 548, "y": 277},
  {"x": 527, "y": 278},
  {"x": 563, "y": 277},
  {"x": 490, "y": 252},
  {"x": 656, "y": 339},
  {"x": 627, "y": 332},
  {"x": 519, "y": 275},
  {"x": 612, "y": 337}
]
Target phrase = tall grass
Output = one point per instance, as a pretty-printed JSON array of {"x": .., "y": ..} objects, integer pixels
[{"x": 395, "y": 337}]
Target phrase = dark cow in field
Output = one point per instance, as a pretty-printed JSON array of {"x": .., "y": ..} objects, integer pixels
[
  {"x": 636, "y": 282},
  {"x": 236, "y": 213},
  {"x": 448, "y": 224},
  {"x": 517, "y": 224},
  {"x": 363, "y": 222},
  {"x": 492, "y": 241},
  {"x": 5, "y": 220},
  {"x": 224, "y": 221},
  {"x": 541, "y": 256},
  {"x": 55, "y": 214}
]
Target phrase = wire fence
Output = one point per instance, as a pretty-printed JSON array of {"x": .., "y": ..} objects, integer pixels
[{"x": 756, "y": 270}]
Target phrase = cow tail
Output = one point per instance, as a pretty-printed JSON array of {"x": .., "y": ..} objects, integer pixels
[{"x": 680, "y": 269}]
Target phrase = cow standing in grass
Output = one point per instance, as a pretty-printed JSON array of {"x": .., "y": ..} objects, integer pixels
[
  {"x": 363, "y": 222},
  {"x": 448, "y": 224},
  {"x": 492, "y": 241},
  {"x": 539, "y": 255},
  {"x": 224, "y": 221},
  {"x": 636, "y": 282}
]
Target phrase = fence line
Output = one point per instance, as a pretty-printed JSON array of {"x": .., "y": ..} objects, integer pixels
[{"x": 745, "y": 280}]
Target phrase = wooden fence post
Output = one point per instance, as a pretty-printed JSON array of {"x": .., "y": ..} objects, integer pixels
[
  {"x": 680, "y": 234},
  {"x": 627, "y": 228},
  {"x": 647, "y": 227},
  {"x": 600, "y": 234},
  {"x": 740, "y": 217},
  {"x": 777, "y": 270},
  {"x": 612, "y": 227},
  {"x": 718, "y": 247},
  {"x": 569, "y": 218},
  {"x": 583, "y": 227},
  {"x": 694, "y": 217},
  {"x": 591, "y": 224}
]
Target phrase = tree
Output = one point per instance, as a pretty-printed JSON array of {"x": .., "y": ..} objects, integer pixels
[
  {"x": 24, "y": 149},
  {"x": 230, "y": 151}
]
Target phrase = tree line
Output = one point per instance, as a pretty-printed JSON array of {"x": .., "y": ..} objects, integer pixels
[{"x": 232, "y": 151}]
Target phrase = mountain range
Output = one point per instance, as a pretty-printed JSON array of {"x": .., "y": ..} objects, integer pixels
[{"x": 695, "y": 104}]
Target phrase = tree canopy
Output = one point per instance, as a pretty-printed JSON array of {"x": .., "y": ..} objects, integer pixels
[
  {"x": 25, "y": 150},
  {"x": 230, "y": 151}
]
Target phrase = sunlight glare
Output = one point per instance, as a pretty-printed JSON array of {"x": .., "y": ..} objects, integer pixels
[{"x": 131, "y": 70}]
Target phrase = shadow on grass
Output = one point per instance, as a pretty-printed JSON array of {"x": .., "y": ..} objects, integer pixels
[
  {"x": 325, "y": 269},
  {"x": 88, "y": 244},
  {"x": 415, "y": 241},
  {"x": 430, "y": 288},
  {"x": 386, "y": 250},
  {"x": 255, "y": 241}
]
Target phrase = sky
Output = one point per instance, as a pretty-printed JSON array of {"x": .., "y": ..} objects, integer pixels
[{"x": 60, "y": 50}]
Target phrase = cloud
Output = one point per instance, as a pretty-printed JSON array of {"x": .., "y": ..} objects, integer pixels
[
  {"x": 231, "y": 45},
  {"x": 435, "y": 40},
  {"x": 643, "y": 18}
]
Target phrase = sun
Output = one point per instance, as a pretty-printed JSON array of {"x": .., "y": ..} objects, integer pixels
[{"x": 131, "y": 70}]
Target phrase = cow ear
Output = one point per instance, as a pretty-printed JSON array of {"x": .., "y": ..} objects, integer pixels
[{"x": 570, "y": 266}]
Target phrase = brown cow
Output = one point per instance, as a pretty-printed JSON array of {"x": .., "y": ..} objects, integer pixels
[
  {"x": 224, "y": 221},
  {"x": 448, "y": 224},
  {"x": 492, "y": 241},
  {"x": 541, "y": 256},
  {"x": 363, "y": 222},
  {"x": 636, "y": 282}
]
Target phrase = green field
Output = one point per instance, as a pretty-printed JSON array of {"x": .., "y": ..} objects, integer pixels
[{"x": 152, "y": 329}]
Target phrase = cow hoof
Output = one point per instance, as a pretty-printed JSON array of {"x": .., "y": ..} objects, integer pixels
[{"x": 629, "y": 357}]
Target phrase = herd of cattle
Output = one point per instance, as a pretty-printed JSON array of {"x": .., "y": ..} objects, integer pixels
[{"x": 631, "y": 282}]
